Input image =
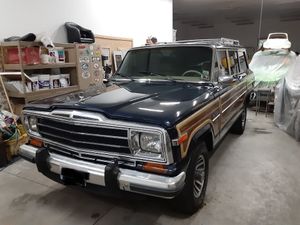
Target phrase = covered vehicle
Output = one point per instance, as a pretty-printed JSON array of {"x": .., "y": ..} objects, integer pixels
[
  {"x": 270, "y": 66},
  {"x": 273, "y": 61},
  {"x": 287, "y": 102}
]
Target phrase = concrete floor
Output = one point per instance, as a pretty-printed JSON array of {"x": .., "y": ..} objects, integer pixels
[{"x": 254, "y": 179}]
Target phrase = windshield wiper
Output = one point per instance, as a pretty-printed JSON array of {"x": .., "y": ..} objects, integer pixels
[
  {"x": 123, "y": 76},
  {"x": 162, "y": 76},
  {"x": 152, "y": 73}
]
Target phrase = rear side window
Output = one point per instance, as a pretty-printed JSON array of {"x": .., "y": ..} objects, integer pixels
[
  {"x": 233, "y": 62},
  {"x": 223, "y": 63},
  {"x": 243, "y": 61}
]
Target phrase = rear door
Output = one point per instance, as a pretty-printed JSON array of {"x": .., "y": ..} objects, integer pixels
[{"x": 232, "y": 98}]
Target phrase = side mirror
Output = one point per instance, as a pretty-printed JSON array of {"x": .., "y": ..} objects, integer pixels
[{"x": 225, "y": 79}]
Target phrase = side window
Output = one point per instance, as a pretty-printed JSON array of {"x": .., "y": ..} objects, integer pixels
[
  {"x": 223, "y": 63},
  {"x": 243, "y": 61},
  {"x": 233, "y": 62},
  {"x": 215, "y": 68}
]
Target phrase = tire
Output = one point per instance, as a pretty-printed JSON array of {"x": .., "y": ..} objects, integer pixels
[
  {"x": 240, "y": 124},
  {"x": 192, "y": 196}
]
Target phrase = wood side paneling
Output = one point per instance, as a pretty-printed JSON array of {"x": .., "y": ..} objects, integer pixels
[{"x": 230, "y": 102}]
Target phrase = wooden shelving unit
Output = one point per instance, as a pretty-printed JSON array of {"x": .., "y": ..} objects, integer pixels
[
  {"x": 33, "y": 43},
  {"x": 70, "y": 67},
  {"x": 38, "y": 66},
  {"x": 42, "y": 94}
]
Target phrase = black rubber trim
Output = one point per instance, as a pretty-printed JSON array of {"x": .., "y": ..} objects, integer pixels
[
  {"x": 111, "y": 176},
  {"x": 41, "y": 160}
]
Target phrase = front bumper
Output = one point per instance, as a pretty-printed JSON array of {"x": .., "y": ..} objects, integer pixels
[{"x": 52, "y": 166}]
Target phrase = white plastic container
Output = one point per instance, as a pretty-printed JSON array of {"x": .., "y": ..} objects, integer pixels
[
  {"x": 53, "y": 56},
  {"x": 54, "y": 81},
  {"x": 44, "y": 58},
  {"x": 61, "y": 58},
  {"x": 64, "y": 80},
  {"x": 34, "y": 83},
  {"x": 29, "y": 86},
  {"x": 15, "y": 86},
  {"x": 44, "y": 81}
]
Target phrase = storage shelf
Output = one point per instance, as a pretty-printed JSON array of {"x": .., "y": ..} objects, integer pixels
[
  {"x": 41, "y": 94},
  {"x": 69, "y": 67},
  {"x": 31, "y": 44},
  {"x": 38, "y": 66}
]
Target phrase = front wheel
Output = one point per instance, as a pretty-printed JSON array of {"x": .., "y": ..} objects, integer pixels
[{"x": 192, "y": 196}]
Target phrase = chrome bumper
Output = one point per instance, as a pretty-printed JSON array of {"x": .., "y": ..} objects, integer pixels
[
  {"x": 128, "y": 180},
  {"x": 28, "y": 152}
]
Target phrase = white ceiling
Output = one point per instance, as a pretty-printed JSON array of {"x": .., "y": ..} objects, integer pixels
[{"x": 206, "y": 13}]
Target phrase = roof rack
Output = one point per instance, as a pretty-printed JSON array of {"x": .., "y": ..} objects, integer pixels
[{"x": 216, "y": 41}]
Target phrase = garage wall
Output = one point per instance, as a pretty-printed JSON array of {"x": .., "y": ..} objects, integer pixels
[
  {"x": 136, "y": 19},
  {"x": 247, "y": 34}
]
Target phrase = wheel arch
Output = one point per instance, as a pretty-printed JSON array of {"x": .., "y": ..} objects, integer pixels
[
  {"x": 205, "y": 134},
  {"x": 247, "y": 99}
]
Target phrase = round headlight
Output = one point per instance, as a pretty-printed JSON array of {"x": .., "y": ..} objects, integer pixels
[
  {"x": 32, "y": 122},
  {"x": 151, "y": 142}
]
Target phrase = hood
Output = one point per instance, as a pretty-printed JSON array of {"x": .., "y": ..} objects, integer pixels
[{"x": 161, "y": 103}]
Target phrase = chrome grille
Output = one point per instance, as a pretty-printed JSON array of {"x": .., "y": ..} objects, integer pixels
[
  {"x": 85, "y": 138},
  {"x": 91, "y": 157}
]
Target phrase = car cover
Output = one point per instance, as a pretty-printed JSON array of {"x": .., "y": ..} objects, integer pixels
[
  {"x": 270, "y": 66},
  {"x": 287, "y": 101}
]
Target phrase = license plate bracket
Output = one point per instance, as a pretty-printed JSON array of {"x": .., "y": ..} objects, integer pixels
[{"x": 74, "y": 177}]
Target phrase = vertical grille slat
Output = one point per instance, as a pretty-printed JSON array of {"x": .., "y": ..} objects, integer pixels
[
  {"x": 81, "y": 128},
  {"x": 82, "y": 137}
]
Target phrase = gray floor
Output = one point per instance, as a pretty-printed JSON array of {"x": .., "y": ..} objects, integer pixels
[{"x": 254, "y": 179}]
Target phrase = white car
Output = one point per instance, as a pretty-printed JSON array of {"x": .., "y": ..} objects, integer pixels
[{"x": 277, "y": 41}]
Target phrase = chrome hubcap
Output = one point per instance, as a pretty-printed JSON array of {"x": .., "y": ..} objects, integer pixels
[{"x": 199, "y": 176}]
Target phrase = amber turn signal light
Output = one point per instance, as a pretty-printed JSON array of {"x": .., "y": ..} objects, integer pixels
[
  {"x": 154, "y": 167},
  {"x": 183, "y": 138},
  {"x": 36, "y": 142}
]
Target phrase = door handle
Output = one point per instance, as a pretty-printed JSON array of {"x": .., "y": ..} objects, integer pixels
[{"x": 241, "y": 76}]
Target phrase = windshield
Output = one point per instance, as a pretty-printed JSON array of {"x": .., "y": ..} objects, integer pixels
[{"x": 172, "y": 63}]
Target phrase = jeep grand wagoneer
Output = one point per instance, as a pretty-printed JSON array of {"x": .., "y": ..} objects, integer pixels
[{"x": 151, "y": 128}]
